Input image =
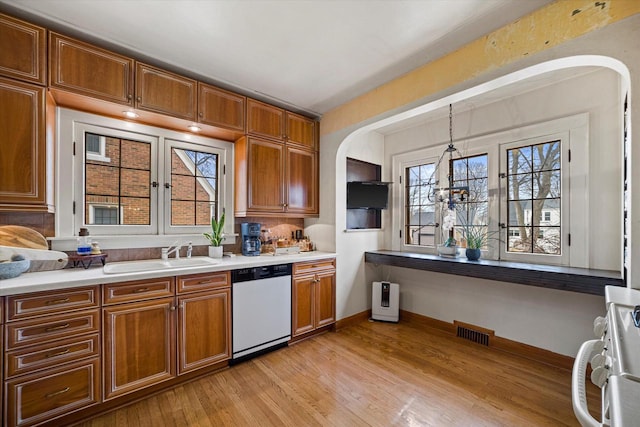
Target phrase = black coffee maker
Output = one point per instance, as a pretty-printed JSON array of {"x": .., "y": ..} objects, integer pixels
[{"x": 250, "y": 235}]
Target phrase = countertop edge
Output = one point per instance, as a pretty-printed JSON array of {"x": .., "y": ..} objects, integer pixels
[{"x": 76, "y": 277}]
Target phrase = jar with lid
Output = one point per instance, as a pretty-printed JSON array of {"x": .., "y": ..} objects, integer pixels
[{"x": 84, "y": 242}]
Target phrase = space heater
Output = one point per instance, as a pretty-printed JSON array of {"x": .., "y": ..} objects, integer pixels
[{"x": 385, "y": 301}]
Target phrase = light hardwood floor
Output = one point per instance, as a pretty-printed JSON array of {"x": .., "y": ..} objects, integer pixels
[{"x": 369, "y": 374}]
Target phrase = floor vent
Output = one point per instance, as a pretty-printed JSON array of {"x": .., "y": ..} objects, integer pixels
[{"x": 473, "y": 333}]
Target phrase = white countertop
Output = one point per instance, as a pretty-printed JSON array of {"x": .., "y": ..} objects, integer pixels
[{"x": 76, "y": 277}]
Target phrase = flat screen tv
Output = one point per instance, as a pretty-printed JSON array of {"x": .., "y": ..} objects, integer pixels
[{"x": 367, "y": 195}]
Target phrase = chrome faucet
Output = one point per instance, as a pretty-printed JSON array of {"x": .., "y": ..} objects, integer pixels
[{"x": 175, "y": 247}]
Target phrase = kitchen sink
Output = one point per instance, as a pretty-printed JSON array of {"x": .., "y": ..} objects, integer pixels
[{"x": 157, "y": 264}]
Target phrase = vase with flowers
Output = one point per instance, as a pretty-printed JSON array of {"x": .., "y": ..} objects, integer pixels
[{"x": 450, "y": 246}]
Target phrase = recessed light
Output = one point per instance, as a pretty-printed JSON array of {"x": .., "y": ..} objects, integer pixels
[
  {"x": 130, "y": 114},
  {"x": 194, "y": 128}
]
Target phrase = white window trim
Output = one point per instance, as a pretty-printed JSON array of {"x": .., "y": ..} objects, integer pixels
[
  {"x": 69, "y": 175},
  {"x": 577, "y": 129}
]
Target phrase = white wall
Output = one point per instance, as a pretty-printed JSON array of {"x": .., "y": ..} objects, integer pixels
[
  {"x": 566, "y": 315},
  {"x": 353, "y": 274}
]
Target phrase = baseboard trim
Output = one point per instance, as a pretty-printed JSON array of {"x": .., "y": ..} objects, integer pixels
[
  {"x": 353, "y": 320},
  {"x": 499, "y": 343}
]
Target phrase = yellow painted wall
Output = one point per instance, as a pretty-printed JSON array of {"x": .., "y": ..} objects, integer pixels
[{"x": 545, "y": 28}]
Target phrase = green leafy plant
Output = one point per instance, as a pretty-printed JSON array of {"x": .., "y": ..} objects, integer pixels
[
  {"x": 476, "y": 236},
  {"x": 216, "y": 236}
]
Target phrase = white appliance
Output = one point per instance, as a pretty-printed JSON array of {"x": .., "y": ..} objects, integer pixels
[
  {"x": 385, "y": 301},
  {"x": 615, "y": 359},
  {"x": 261, "y": 302}
]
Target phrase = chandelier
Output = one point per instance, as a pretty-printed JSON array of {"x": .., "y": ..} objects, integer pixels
[{"x": 451, "y": 194}]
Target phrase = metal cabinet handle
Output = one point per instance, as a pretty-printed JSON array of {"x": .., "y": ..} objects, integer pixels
[
  {"x": 55, "y": 393},
  {"x": 57, "y": 301},
  {"x": 129, "y": 97},
  {"x": 201, "y": 114},
  {"x": 139, "y": 99},
  {"x": 139, "y": 290},
  {"x": 57, "y": 328}
]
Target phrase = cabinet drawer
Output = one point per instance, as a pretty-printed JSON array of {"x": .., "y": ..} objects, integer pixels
[
  {"x": 200, "y": 282},
  {"x": 46, "y": 395},
  {"x": 50, "y": 302},
  {"x": 314, "y": 266},
  {"x": 31, "y": 359},
  {"x": 138, "y": 290},
  {"x": 37, "y": 331}
]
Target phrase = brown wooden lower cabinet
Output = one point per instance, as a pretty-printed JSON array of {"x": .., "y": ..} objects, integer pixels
[
  {"x": 42, "y": 396},
  {"x": 204, "y": 329},
  {"x": 139, "y": 345},
  {"x": 313, "y": 296}
]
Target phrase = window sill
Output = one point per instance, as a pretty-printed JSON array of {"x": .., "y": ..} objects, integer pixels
[{"x": 571, "y": 279}]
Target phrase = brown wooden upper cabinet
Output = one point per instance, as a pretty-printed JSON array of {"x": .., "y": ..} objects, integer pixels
[
  {"x": 23, "y": 47},
  {"x": 301, "y": 131},
  {"x": 275, "y": 179},
  {"x": 160, "y": 91},
  {"x": 85, "y": 69},
  {"x": 267, "y": 121},
  {"x": 220, "y": 108},
  {"x": 26, "y": 155}
]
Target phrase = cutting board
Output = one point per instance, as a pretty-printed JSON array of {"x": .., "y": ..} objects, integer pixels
[
  {"x": 41, "y": 259},
  {"x": 21, "y": 237},
  {"x": 18, "y": 240}
]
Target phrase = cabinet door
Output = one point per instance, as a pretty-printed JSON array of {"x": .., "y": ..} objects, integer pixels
[
  {"x": 23, "y": 48},
  {"x": 23, "y": 147},
  {"x": 325, "y": 298},
  {"x": 303, "y": 297},
  {"x": 217, "y": 107},
  {"x": 163, "y": 92},
  {"x": 301, "y": 131},
  {"x": 204, "y": 329},
  {"x": 265, "y": 176},
  {"x": 89, "y": 70},
  {"x": 265, "y": 120},
  {"x": 43, "y": 396},
  {"x": 301, "y": 181},
  {"x": 139, "y": 345}
]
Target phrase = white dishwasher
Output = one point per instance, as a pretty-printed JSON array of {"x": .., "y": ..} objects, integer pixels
[{"x": 261, "y": 309}]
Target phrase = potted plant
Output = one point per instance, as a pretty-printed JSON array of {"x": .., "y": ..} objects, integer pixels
[
  {"x": 215, "y": 237},
  {"x": 477, "y": 238}
]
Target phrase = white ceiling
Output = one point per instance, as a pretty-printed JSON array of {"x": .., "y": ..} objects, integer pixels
[{"x": 307, "y": 55}]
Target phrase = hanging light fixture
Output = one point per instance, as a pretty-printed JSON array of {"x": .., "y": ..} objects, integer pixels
[{"x": 450, "y": 194}]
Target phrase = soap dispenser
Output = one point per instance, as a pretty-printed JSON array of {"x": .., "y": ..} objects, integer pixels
[{"x": 84, "y": 242}]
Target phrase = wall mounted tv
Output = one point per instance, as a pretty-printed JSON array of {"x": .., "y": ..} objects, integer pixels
[{"x": 367, "y": 195}]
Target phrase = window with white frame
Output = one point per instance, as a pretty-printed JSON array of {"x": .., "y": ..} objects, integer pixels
[
  {"x": 519, "y": 192},
  {"x": 532, "y": 189},
  {"x": 420, "y": 206},
  {"x": 146, "y": 180}
]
